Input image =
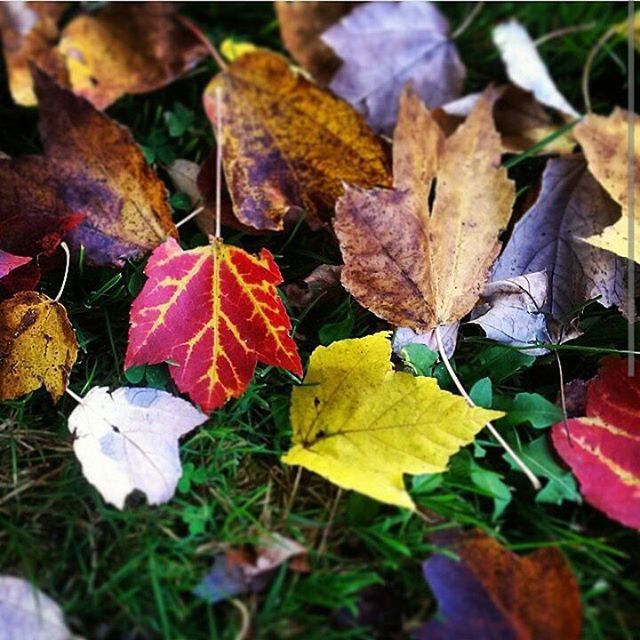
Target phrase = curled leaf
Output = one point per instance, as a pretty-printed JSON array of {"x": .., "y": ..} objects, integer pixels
[{"x": 38, "y": 346}]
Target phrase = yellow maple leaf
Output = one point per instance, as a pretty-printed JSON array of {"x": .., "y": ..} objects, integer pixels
[{"x": 362, "y": 425}]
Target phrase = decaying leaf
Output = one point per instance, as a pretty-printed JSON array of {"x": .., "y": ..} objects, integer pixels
[
  {"x": 526, "y": 68},
  {"x": 29, "y": 31},
  {"x": 287, "y": 144},
  {"x": 35, "y": 236},
  {"x": 571, "y": 205},
  {"x": 127, "y": 48},
  {"x": 511, "y": 312},
  {"x": 605, "y": 142},
  {"x": 38, "y": 346},
  {"x": 362, "y": 425},
  {"x": 415, "y": 268},
  {"x": 491, "y": 592},
  {"x": 323, "y": 283},
  {"x": 128, "y": 439},
  {"x": 91, "y": 165},
  {"x": 248, "y": 569},
  {"x": 404, "y": 336},
  {"x": 603, "y": 447},
  {"x": 301, "y": 25},
  {"x": 214, "y": 312},
  {"x": 9, "y": 262},
  {"x": 28, "y": 614},
  {"x": 383, "y": 46}
]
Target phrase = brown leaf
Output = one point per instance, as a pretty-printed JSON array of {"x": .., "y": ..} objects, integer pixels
[
  {"x": 323, "y": 282},
  {"x": 38, "y": 346},
  {"x": 302, "y": 24},
  {"x": 414, "y": 268},
  {"x": 127, "y": 48},
  {"x": 29, "y": 31},
  {"x": 287, "y": 144},
  {"x": 91, "y": 165}
]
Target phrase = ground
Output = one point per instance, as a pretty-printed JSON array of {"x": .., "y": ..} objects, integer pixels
[{"x": 130, "y": 574}]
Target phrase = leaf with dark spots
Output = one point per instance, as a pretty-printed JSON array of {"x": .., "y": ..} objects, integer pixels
[{"x": 92, "y": 166}]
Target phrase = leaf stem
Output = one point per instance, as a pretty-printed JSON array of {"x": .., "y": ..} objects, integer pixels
[
  {"x": 586, "y": 72},
  {"x": 190, "y": 216},
  {"x": 65, "y": 248},
  {"x": 75, "y": 396},
  {"x": 197, "y": 32},
  {"x": 530, "y": 475},
  {"x": 218, "y": 162},
  {"x": 468, "y": 20}
]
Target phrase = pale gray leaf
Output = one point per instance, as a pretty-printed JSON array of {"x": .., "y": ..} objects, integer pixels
[
  {"x": 405, "y": 336},
  {"x": 383, "y": 46},
  {"x": 28, "y": 614},
  {"x": 128, "y": 440}
]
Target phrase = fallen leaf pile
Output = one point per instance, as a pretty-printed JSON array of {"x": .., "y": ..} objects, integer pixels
[{"x": 423, "y": 235}]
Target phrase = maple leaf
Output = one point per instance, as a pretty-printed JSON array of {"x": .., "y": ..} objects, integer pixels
[
  {"x": 91, "y": 166},
  {"x": 409, "y": 42},
  {"x": 526, "y": 68},
  {"x": 490, "y": 592},
  {"x": 26, "y": 612},
  {"x": 34, "y": 236},
  {"x": 605, "y": 141},
  {"x": 288, "y": 145},
  {"x": 414, "y": 268},
  {"x": 9, "y": 262},
  {"x": 128, "y": 439},
  {"x": 570, "y": 206},
  {"x": 214, "y": 312},
  {"x": 38, "y": 346},
  {"x": 362, "y": 425},
  {"x": 127, "y": 48},
  {"x": 248, "y": 570},
  {"x": 603, "y": 447},
  {"x": 29, "y": 31},
  {"x": 301, "y": 25}
]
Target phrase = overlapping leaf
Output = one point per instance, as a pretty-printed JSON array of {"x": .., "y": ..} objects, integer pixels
[
  {"x": 409, "y": 42},
  {"x": 493, "y": 593},
  {"x": 128, "y": 440},
  {"x": 362, "y": 425},
  {"x": 214, "y": 312},
  {"x": 605, "y": 142},
  {"x": 603, "y": 447},
  {"x": 417, "y": 268},
  {"x": 91, "y": 166},
  {"x": 9, "y": 262},
  {"x": 38, "y": 346},
  {"x": 288, "y": 145}
]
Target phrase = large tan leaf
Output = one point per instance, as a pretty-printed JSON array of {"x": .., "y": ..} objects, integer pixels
[
  {"x": 419, "y": 266},
  {"x": 287, "y": 144}
]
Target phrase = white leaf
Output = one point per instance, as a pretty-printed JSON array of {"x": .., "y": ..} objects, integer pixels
[
  {"x": 28, "y": 614},
  {"x": 526, "y": 68},
  {"x": 404, "y": 336},
  {"x": 128, "y": 440}
]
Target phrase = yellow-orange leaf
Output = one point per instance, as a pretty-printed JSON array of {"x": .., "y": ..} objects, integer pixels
[
  {"x": 38, "y": 346},
  {"x": 362, "y": 425},
  {"x": 420, "y": 268},
  {"x": 288, "y": 145},
  {"x": 605, "y": 141}
]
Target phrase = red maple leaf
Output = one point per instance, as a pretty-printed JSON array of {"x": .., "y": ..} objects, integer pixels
[
  {"x": 603, "y": 448},
  {"x": 213, "y": 311}
]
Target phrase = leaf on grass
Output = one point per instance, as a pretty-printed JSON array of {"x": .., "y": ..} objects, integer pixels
[
  {"x": 36, "y": 236},
  {"x": 511, "y": 312},
  {"x": 9, "y": 262},
  {"x": 605, "y": 142},
  {"x": 92, "y": 166},
  {"x": 287, "y": 144},
  {"x": 526, "y": 68},
  {"x": 570, "y": 205},
  {"x": 214, "y": 312},
  {"x": 490, "y": 592},
  {"x": 38, "y": 346},
  {"x": 383, "y": 46},
  {"x": 127, "y": 48},
  {"x": 419, "y": 269},
  {"x": 321, "y": 285},
  {"x": 528, "y": 407},
  {"x": 362, "y": 425},
  {"x": 249, "y": 569},
  {"x": 29, "y": 31},
  {"x": 128, "y": 440},
  {"x": 404, "y": 336},
  {"x": 603, "y": 447},
  {"x": 28, "y": 614},
  {"x": 301, "y": 25}
]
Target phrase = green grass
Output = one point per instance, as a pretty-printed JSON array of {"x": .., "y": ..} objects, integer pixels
[{"x": 130, "y": 574}]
